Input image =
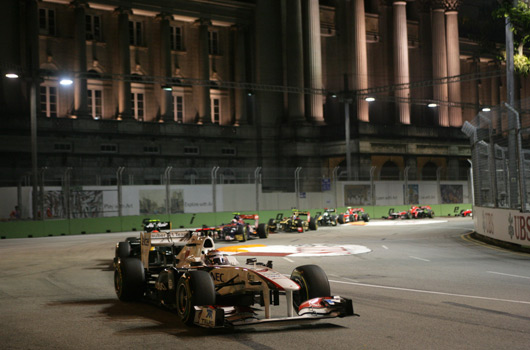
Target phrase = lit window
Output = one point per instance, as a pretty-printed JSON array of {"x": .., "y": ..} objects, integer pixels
[
  {"x": 178, "y": 107},
  {"x": 216, "y": 109},
  {"x": 48, "y": 101},
  {"x": 95, "y": 103},
  {"x": 135, "y": 33},
  {"x": 213, "y": 42},
  {"x": 176, "y": 41},
  {"x": 93, "y": 27},
  {"x": 138, "y": 106},
  {"x": 46, "y": 21}
]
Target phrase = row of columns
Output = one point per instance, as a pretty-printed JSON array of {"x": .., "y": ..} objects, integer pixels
[{"x": 446, "y": 58}]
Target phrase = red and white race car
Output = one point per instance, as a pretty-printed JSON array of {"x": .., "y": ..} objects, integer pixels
[
  {"x": 352, "y": 215},
  {"x": 466, "y": 212},
  {"x": 242, "y": 227},
  {"x": 205, "y": 287}
]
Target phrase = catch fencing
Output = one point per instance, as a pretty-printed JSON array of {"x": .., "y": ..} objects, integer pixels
[{"x": 500, "y": 146}]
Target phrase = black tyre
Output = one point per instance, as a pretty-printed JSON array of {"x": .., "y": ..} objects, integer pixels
[
  {"x": 129, "y": 279},
  {"x": 313, "y": 225},
  {"x": 263, "y": 231},
  {"x": 123, "y": 250},
  {"x": 341, "y": 219},
  {"x": 366, "y": 217},
  {"x": 313, "y": 283},
  {"x": 271, "y": 226},
  {"x": 195, "y": 288},
  {"x": 333, "y": 220},
  {"x": 241, "y": 233},
  {"x": 431, "y": 214}
]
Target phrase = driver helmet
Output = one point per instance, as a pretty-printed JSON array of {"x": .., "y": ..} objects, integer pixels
[{"x": 215, "y": 257}]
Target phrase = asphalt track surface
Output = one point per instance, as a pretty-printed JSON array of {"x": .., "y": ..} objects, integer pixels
[{"x": 421, "y": 287}]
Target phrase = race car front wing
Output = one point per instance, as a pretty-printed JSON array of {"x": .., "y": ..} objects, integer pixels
[{"x": 310, "y": 311}]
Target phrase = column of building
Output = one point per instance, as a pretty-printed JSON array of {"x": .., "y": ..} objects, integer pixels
[
  {"x": 401, "y": 61},
  {"x": 453, "y": 62},
  {"x": 295, "y": 61},
  {"x": 239, "y": 59},
  {"x": 314, "y": 59},
  {"x": 359, "y": 56},
  {"x": 202, "y": 91},
  {"x": 124, "y": 57},
  {"x": 439, "y": 63},
  {"x": 80, "y": 62},
  {"x": 166, "y": 112}
]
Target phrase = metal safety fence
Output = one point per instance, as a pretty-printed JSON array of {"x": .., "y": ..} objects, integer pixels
[{"x": 500, "y": 146}]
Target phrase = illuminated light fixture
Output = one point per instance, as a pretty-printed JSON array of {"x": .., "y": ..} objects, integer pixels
[
  {"x": 66, "y": 81},
  {"x": 167, "y": 88},
  {"x": 334, "y": 96},
  {"x": 12, "y": 75},
  {"x": 369, "y": 99},
  {"x": 432, "y": 105},
  {"x": 486, "y": 109}
]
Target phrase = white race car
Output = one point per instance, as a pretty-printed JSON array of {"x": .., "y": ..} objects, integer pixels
[{"x": 184, "y": 272}]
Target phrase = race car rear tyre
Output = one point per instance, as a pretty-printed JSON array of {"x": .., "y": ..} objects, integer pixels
[
  {"x": 263, "y": 231},
  {"x": 341, "y": 219},
  {"x": 129, "y": 279},
  {"x": 313, "y": 283},
  {"x": 241, "y": 233},
  {"x": 313, "y": 224},
  {"x": 123, "y": 250},
  {"x": 195, "y": 288}
]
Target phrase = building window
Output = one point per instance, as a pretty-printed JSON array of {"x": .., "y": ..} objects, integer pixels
[
  {"x": 151, "y": 149},
  {"x": 95, "y": 103},
  {"x": 62, "y": 147},
  {"x": 138, "y": 106},
  {"x": 93, "y": 27},
  {"x": 46, "y": 21},
  {"x": 48, "y": 101},
  {"x": 191, "y": 150},
  {"x": 178, "y": 107},
  {"x": 176, "y": 42},
  {"x": 108, "y": 148},
  {"x": 136, "y": 33},
  {"x": 216, "y": 109},
  {"x": 228, "y": 151},
  {"x": 213, "y": 42}
]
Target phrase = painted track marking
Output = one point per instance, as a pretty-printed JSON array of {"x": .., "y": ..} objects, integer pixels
[
  {"x": 507, "y": 274},
  {"x": 432, "y": 292},
  {"x": 415, "y": 257}
]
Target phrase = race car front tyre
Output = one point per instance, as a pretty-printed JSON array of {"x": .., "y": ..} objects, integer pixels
[
  {"x": 241, "y": 233},
  {"x": 313, "y": 224},
  {"x": 366, "y": 217},
  {"x": 263, "y": 231},
  {"x": 123, "y": 250},
  {"x": 194, "y": 288},
  {"x": 341, "y": 219},
  {"x": 313, "y": 283},
  {"x": 129, "y": 279},
  {"x": 334, "y": 220}
]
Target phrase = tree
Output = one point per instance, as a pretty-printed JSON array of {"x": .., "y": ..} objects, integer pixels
[{"x": 519, "y": 16}]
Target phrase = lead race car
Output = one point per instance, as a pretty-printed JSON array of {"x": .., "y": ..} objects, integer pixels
[{"x": 208, "y": 288}]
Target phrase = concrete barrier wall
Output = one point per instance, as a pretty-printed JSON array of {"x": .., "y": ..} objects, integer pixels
[
  {"x": 506, "y": 225},
  {"x": 57, "y": 227}
]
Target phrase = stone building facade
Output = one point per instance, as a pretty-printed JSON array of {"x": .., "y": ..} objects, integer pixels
[{"x": 241, "y": 84}]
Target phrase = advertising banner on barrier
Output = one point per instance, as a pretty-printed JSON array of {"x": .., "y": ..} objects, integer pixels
[{"x": 503, "y": 224}]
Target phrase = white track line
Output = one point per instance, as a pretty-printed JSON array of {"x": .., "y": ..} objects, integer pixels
[
  {"x": 289, "y": 260},
  {"x": 415, "y": 257},
  {"x": 507, "y": 274},
  {"x": 432, "y": 292},
  {"x": 384, "y": 246}
]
